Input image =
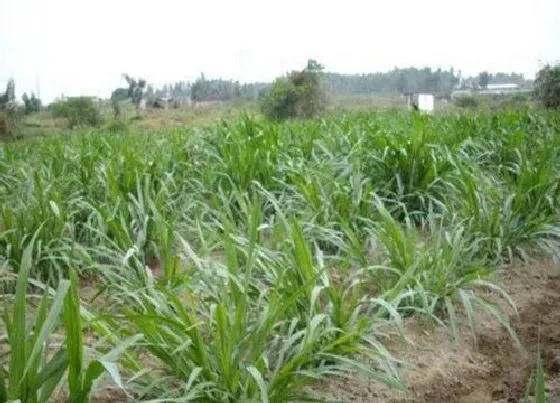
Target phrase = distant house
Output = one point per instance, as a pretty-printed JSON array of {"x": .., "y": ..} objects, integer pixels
[
  {"x": 502, "y": 87},
  {"x": 491, "y": 89}
]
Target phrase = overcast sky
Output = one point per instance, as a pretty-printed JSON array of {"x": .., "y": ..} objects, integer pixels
[{"x": 79, "y": 47}]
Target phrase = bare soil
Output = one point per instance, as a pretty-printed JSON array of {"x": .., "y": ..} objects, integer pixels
[{"x": 492, "y": 371}]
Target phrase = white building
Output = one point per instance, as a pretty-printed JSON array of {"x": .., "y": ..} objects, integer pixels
[{"x": 502, "y": 87}]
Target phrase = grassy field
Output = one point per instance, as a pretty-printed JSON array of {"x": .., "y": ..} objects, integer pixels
[{"x": 246, "y": 261}]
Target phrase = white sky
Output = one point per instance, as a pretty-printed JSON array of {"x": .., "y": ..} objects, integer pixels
[{"x": 79, "y": 47}]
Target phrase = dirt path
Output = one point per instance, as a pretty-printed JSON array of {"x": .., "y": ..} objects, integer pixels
[{"x": 495, "y": 371}]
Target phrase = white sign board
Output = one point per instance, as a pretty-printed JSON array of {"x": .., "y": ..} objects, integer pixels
[{"x": 426, "y": 102}]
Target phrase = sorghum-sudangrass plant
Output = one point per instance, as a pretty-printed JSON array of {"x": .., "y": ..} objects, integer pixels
[
  {"x": 536, "y": 385},
  {"x": 37, "y": 362},
  {"x": 430, "y": 273},
  {"x": 409, "y": 164},
  {"x": 509, "y": 218},
  {"x": 237, "y": 337},
  {"x": 256, "y": 257},
  {"x": 32, "y": 375}
]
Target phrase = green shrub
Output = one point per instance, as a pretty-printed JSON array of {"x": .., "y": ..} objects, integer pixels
[
  {"x": 279, "y": 101},
  {"x": 466, "y": 102},
  {"x": 547, "y": 86},
  {"x": 297, "y": 95},
  {"x": 78, "y": 111}
]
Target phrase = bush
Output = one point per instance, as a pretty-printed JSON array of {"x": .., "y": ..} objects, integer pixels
[
  {"x": 279, "y": 101},
  {"x": 547, "y": 86},
  {"x": 79, "y": 111},
  {"x": 297, "y": 95},
  {"x": 466, "y": 102}
]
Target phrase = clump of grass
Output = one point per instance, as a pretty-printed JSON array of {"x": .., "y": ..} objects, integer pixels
[
  {"x": 536, "y": 386},
  {"x": 431, "y": 273},
  {"x": 35, "y": 368}
]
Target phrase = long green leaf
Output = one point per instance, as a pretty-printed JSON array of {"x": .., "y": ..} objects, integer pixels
[
  {"x": 50, "y": 324},
  {"x": 74, "y": 338},
  {"x": 18, "y": 339}
]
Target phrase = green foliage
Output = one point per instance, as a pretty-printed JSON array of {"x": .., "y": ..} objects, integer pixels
[
  {"x": 298, "y": 95},
  {"x": 8, "y": 98},
  {"x": 136, "y": 88},
  {"x": 279, "y": 102},
  {"x": 81, "y": 378},
  {"x": 78, "y": 111},
  {"x": 547, "y": 86},
  {"x": 466, "y": 102},
  {"x": 433, "y": 275},
  {"x": 35, "y": 369},
  {"x": 33, "y": 373},
  {"x": 249, "y": 259},
  {"x": 120, "y": 94}
]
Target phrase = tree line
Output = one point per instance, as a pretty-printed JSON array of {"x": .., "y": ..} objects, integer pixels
[
  {"x": 412, "y": 79},
  {"x": 201, "y": 90}
]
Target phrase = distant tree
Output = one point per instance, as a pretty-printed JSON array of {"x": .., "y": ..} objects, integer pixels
[
  {"x": 440, "y": 81},
  {"x": 136, "y": 90},
  {"x": 402, "y": 85},
  {"x": 8, "y": 98},
  {"x": 26, "y": 103},
  {"x": 279, "y": 101},
  {"x": 30, "y": 104},
  {"x": 432, "y": 80},
  {"x": 36, "y": 103},
  {"x": 299, "y": 94},
  {"x": 311, "y": 95},
  {"x": 9, "y": 116},
  {"x": 547, "y": 86},
  {"x": 120, "y": 94},
  {"x": 483, "y": 79},
  {"x": 116, "y": 108},
  {"x": 199, "y": 91},
  {"x": 150, "y": 93},
  {"x": 204, "y": 89}
]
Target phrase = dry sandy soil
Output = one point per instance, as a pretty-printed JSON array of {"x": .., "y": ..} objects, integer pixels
[{"x": 494, "y": 371}]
